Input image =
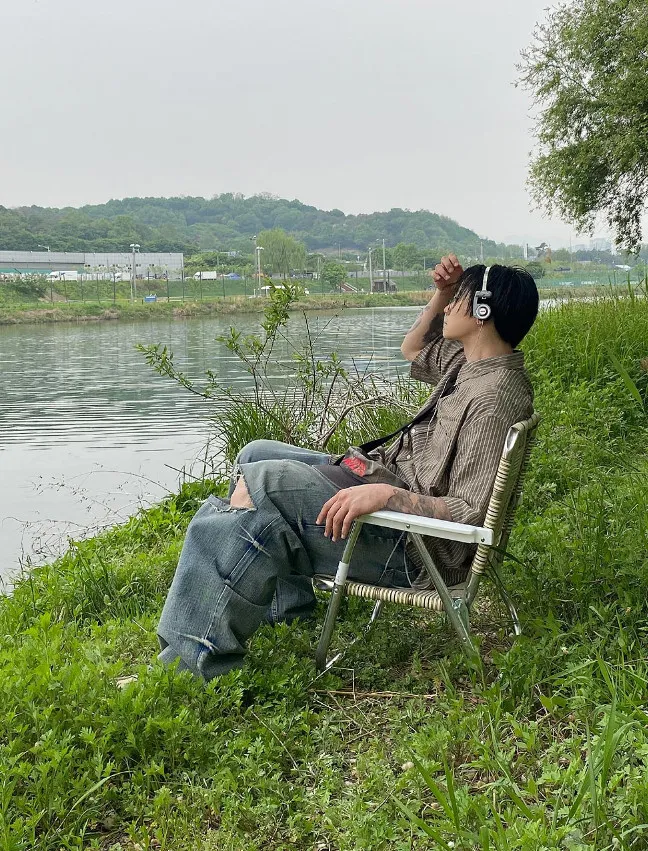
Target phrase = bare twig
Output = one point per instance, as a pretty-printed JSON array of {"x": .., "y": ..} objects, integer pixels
[
  {"x": 274, "y": 735},
  {"x": 329, "y": 434},
  {"x": 368, "y": 695}
]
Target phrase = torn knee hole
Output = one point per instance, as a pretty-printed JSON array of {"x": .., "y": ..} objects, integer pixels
[{"x": 241, "y": 499}]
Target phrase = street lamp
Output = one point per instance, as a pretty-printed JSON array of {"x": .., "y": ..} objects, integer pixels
[
  {"x": 51, "y": 288},
  {"x": 258, "y": 249},
  {"x": 134, "y": 246}
]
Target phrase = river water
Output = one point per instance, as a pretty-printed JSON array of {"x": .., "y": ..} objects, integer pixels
[{"x": 89, "y": 433}]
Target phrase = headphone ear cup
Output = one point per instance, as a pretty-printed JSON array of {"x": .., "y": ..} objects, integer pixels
[{"x": 482, "y": 312}]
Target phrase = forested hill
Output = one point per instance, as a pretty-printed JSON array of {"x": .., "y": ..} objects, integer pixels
[{"x": 225, "y": 222}]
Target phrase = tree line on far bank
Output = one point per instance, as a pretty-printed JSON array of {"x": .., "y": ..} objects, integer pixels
[{"x": 230, "y": 221}]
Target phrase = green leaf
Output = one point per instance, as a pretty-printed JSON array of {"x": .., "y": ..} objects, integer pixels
[{"x": 627, "y": 380}]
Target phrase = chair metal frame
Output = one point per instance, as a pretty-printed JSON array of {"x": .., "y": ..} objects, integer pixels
[{"x": 455, "y": 601}]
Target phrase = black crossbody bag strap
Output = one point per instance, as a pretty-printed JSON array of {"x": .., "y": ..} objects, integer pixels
[
  {"x": 426, "y": 413},
  {"x": 380, "y": 441}
]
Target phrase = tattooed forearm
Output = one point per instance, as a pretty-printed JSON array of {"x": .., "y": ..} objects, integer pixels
[
  {"x": 417, "y": 322},
  {"x": 416, "y": 503},
  {"x": 424, "y": 315},
  {"x": 428, "y": 324}
]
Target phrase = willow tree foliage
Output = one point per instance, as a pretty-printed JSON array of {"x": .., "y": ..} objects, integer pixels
[
  {"x": 282, "y": 253},
  {"x": 333, "y": 275},
  {"x": 588, "y": 71}
]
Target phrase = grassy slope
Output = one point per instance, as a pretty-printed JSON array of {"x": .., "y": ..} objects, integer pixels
[
  {"x": 551, "y": 753},
  {"x": 75, "y": 311}
]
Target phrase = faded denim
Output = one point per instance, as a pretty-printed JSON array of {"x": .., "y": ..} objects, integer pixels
[
  {"x": 274, "y": 450},
  {"x": 241, "y": 567}
]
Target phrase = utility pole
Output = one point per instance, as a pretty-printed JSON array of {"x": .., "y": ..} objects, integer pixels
[
  {"x": 370, "y": 270},
  {"x": 134, "y": 246},
  {"x": 481, "y": 251},
  {"x": 384, "y": 265}
]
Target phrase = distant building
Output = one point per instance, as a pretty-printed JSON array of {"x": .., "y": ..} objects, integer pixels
[
  {"x": 99, "y": 264},
  {"x": 383, "y": 285}
]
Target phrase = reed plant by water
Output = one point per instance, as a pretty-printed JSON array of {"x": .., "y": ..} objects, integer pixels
[
  {"x": 546, "y": 747},
  {"x": 303, "y": 399}
]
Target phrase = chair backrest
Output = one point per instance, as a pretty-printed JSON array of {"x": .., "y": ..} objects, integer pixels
[{"x": 507, "y": 492}]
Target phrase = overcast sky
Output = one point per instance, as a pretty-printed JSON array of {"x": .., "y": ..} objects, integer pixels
[{"x": 357, "y": 104}]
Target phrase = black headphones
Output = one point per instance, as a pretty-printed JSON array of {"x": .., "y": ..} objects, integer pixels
[{"x": 481, "y": 310}]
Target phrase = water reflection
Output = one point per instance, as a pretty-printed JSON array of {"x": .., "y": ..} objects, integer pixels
[{"x": 88, "y": 431}]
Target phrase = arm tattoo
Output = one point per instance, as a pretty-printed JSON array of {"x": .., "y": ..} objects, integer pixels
[
  {"x": 423, "y": 315},
  {"x": 417, "y": 322},
  {"x": 416, "y": 503}
]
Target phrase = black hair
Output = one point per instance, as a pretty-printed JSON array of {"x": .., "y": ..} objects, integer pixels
[{"x": 514, "y": 301}]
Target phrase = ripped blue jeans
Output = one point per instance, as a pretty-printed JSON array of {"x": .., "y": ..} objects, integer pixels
[{"x": 242, "y": 567}]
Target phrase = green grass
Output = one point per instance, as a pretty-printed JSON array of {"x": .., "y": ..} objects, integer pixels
[
  {"x": 13, "y": 313},
  {"x": 404, "y": 747},
  {"x": 17, "y": 308}
]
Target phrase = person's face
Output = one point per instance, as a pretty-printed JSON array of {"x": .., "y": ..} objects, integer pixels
[{"x": 458, "y": 321}]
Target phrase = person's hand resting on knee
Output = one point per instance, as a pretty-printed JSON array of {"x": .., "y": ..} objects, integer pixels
[{"x": 341, "y": 510}]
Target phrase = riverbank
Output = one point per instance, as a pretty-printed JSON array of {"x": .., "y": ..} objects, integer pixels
[
  {"x": 61, "y": 311},
  {"x": 177, "y": 309},
  {"x": 547, "y": 746}
]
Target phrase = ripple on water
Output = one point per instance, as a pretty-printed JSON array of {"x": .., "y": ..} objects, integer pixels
[{"x": 79, "y": 404}]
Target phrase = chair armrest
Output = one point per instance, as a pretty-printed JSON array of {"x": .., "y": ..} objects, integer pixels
[{"x": 429, "y": 526}]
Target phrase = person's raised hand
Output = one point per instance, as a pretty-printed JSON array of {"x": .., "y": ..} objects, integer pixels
[{"x": 447, "y": 272}]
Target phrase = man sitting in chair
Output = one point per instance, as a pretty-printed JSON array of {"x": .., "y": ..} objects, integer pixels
[{"x": 250, "y": 558}]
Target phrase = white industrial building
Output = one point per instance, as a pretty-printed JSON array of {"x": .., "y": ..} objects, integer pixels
[{"x": 98, "y": 264}]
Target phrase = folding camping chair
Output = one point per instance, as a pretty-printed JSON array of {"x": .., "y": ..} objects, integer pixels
[{"x": 455, "y": 601}]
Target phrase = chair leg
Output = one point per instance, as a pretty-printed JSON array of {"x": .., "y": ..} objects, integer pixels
[
  {"x": 337, "y": 594},
  {"x": 328, "y": 663},
  {"x": 455, "y": 609},
  {"x": 508, "y": 602},
  {"x": 377, "y": 609},
  {"x": 459, "y": 619}
]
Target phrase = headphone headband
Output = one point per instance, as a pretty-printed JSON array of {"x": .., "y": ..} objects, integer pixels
[{"x": 485, "y": 281}]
